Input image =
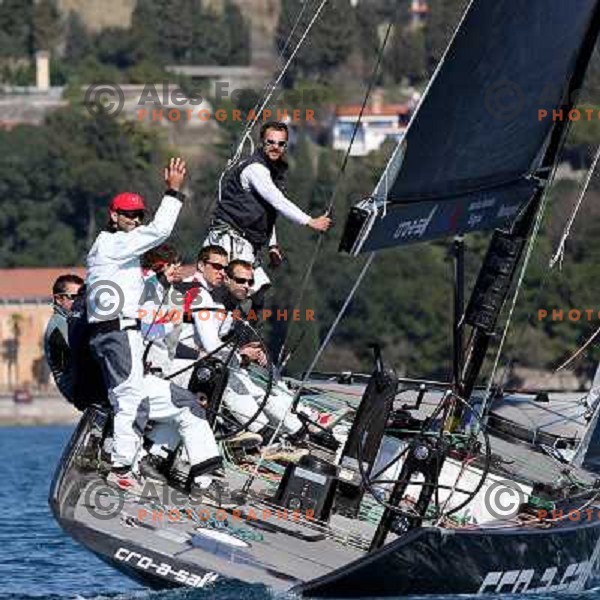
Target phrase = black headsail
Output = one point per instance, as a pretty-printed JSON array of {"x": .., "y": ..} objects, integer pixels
[{"x": 469, "y": 158}]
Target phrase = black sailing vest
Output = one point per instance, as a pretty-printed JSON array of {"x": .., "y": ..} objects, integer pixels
[{"x": 247, "y": 211}]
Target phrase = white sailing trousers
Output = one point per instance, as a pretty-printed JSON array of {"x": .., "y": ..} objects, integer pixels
[
  {"x": 242, "y": 398},
  {"x": 136, "y": 398}
]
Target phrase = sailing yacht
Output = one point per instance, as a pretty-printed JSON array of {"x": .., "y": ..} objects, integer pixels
[{"x": 414, "y": 487}]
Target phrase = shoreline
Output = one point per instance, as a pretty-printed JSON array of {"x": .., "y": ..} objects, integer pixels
[{"x": 43, "y": 410}]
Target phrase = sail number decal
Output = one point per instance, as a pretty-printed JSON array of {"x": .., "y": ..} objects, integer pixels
[
  {"x": 572, "y": 578},
  {"x": 164, "y": 569}
]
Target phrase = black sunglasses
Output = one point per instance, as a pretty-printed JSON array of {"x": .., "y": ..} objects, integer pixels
[
  {"x": 243, "y": 280},
  {"x": 133, "y": 214},
  {"x": 275, "y": 143},
  {"x": 215, "y": 265},
  {"x": 68, "y": 296}
]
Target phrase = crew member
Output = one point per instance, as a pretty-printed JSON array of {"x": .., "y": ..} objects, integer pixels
[
  {"x": 115, "y": 286},
  {"x": 252, "y": 195},
  {"x": 56, "y": 336},
  {"x": 161, "y": 315},
  {"x": 162, "y": 327},
  {"x": 211, "y": 264},
  {"x": 242, "y": 396}
]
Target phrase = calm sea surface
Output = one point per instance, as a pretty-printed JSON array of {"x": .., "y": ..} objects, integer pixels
[{"x": 38, "y": 561}]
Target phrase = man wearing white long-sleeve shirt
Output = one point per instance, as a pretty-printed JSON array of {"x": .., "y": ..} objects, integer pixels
[
  {"x": 212, "y": 323},
  {"x": 252, "y": 195},
  {"x": 114, "y": 269}
]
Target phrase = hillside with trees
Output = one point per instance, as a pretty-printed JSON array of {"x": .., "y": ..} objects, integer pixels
[
  {"x": 56, "y": 179},
  {"x": 162, "y": 32}
]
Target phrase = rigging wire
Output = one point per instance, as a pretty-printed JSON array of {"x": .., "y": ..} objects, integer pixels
[
  {"x": 334, "y": 325},
  {"x": 579, "y": 351},
  {"x": 560, "y": 251},
  {"x": 266, "y": 95},
  {"x": 270, "y": 90},
  {"x": 298, "y": 392},
  {"x": 340, "y": 175}
]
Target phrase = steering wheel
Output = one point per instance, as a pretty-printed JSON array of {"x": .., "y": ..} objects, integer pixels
[
  {"x": 242, "y": 333},
  {"x": 431, "y": 443}
]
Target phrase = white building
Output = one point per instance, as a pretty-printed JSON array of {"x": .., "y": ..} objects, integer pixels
[{"x": 379, "y": 122}]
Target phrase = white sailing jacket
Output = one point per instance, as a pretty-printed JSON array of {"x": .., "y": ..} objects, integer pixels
[
  {"x": 211, "y": 321},
  {"x": 114, "y": 274}
]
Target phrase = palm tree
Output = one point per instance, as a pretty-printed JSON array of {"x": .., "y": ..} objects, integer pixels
[{"x": 16, "y": 320}]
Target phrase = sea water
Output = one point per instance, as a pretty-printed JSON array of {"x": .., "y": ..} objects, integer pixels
[{"x": 37, "y": 560}]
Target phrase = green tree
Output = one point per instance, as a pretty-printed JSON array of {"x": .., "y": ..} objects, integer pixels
[
  {"x": 146, "y": 29},
  {"x": 46, "y": 25},
  {"x": 330, "y": 41},
  {"x": 221, "y": 39},
  {"x": 407, "y": 56},
  {"x": 176, "y": 29},
  {"x": 324, "y": 182},
  {"x": 211, "y": 45},
  {"x": 77, "y": 39},
  {"x": 444, "y": 18},
  {"x": 115, "y": 49},
  {"x": 238, "y": 33},
  {"x": 301, "y": 177},
  {"x": 63, "y": 173},
  {"x": 16, "y": 18}
]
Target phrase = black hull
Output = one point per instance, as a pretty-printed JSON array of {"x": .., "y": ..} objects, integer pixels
[
  {"x": 139, "y": 563},
  {"x": 435, "y": 561},
  {"x": 425, "y": 561}
]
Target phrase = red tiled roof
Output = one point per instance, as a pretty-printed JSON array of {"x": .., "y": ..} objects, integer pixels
[
  {"x": 17, "y": 284},
  {"x": 36, "y": 283},
  {"x": 386, "y": 110}
]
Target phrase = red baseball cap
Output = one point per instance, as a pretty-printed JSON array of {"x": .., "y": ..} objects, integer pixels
[{"x": 127, "y": 201}]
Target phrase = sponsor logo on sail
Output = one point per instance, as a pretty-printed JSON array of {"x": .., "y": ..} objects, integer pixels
[
  {"x": 485, "y": 202},
  {"x": 507, "y": 211},
  {"x": 414, "y": 228}
]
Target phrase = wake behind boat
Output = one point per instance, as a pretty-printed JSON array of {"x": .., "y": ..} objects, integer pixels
[{"x": 395, "y": 494}]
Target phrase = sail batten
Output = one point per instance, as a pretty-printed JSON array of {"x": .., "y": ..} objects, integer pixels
[{"x": 483, "y": 122}]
